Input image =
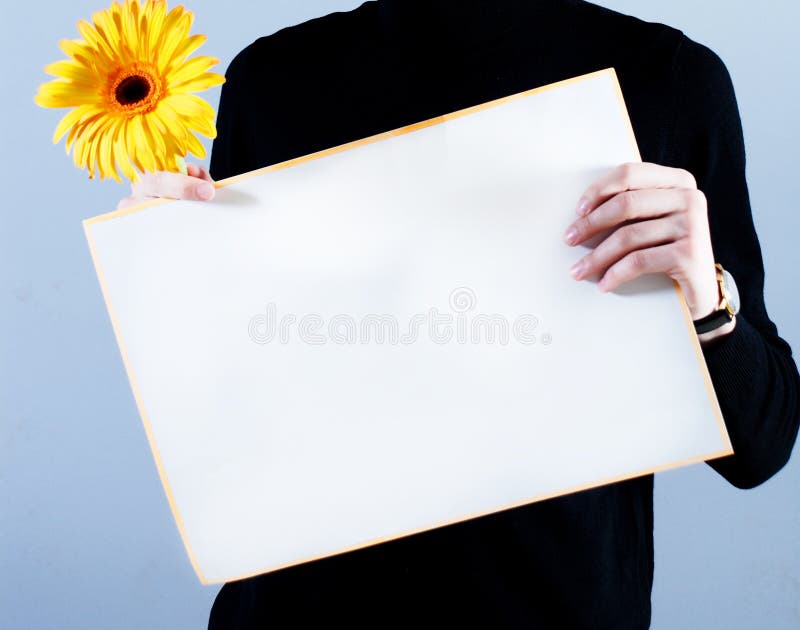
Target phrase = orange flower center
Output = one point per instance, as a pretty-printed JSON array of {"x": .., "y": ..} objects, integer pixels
[{"x": 135, "y": 89}]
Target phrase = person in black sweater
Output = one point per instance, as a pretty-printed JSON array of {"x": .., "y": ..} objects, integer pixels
[{"x": 583, "y": 560}]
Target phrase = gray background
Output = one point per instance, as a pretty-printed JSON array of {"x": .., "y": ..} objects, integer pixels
[{"x": 86, "y": 536}]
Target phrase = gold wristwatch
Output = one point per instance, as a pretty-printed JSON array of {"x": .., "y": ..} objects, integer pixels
[{"x": 728, "y": 303}]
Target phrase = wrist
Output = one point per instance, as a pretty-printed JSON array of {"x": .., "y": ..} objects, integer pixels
[{"x": 726, "y": 329}]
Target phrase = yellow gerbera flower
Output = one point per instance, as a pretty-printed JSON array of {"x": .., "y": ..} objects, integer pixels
[{"x": 129, "y": 82}]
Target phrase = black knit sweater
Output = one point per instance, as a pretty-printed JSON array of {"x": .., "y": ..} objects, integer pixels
[{"x": 579, "y": 561}]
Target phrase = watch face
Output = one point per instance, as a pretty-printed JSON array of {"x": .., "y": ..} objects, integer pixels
[{"x": 730, "y": 290}]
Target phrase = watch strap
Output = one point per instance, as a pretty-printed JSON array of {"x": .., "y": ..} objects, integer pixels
[{"x": 712, "y": 321}]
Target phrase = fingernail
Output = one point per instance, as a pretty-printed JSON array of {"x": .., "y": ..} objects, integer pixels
[
  {"x": 583, "y": 205},
  {"x": 576, "y": 269},
  {"x": 571, "y": 235},
  {"x": 205, "y": 192}
]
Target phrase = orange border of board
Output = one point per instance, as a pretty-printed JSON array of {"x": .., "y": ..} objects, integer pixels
[{"x": 611, "y": 72}]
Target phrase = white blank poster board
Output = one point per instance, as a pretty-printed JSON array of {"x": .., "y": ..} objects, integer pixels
[{"x": 383, "y": 337}]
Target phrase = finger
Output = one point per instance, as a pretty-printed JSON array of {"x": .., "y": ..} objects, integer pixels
[
  {"x": 633, "y": 204},
  {"x": 127, "y": 202},
  {"x": 633, "y": 176},
  {"x": 660, "y": 259},
  {"x": 625, "y": 239},
  {"x": 195, "y": 170},
  {"x": 174, "y": 186}
]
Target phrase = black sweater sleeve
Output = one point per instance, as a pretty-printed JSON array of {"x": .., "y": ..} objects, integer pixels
[{"x": 752, "y": 368}]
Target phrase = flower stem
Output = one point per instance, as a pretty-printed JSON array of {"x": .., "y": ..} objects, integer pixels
[{"x": 181, "y": 165}]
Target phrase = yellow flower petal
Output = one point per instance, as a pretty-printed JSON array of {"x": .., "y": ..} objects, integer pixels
[
  {"x": 195, "y": 112},
  {"x": 189, "y": 105},
  {"x": 92, "y": 129},
  {"x": 131, "y": 144},
  {"x": 191, "y": 69},
  {"x": 195, "y": 146},
  {"x": 130, "y": 27},
  {"x": 99, "y": 45},
  {"x": 91, "y": 151},
  {"x": 184, "y": 49},
  {"x": 72, "y": 118},
  {"x": 184, "y": 138},
  {"x": 78, "y": 50},
  {"x": 144, "y": 150},
  {"x": 106, "y": 151},
  {"x": 108, "y": 30},
  {"x": 78, "y": 128},
  {"x": 155, "y": 17},
  {"x": 198, "y": 83},
  {"x": 73, "y": 71},
  {"x": 121, "y": 152},
  {"x": 60, "y": 93},
  {"x": 172, "y": 38},
  {"x": 155, "y": 138}
]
